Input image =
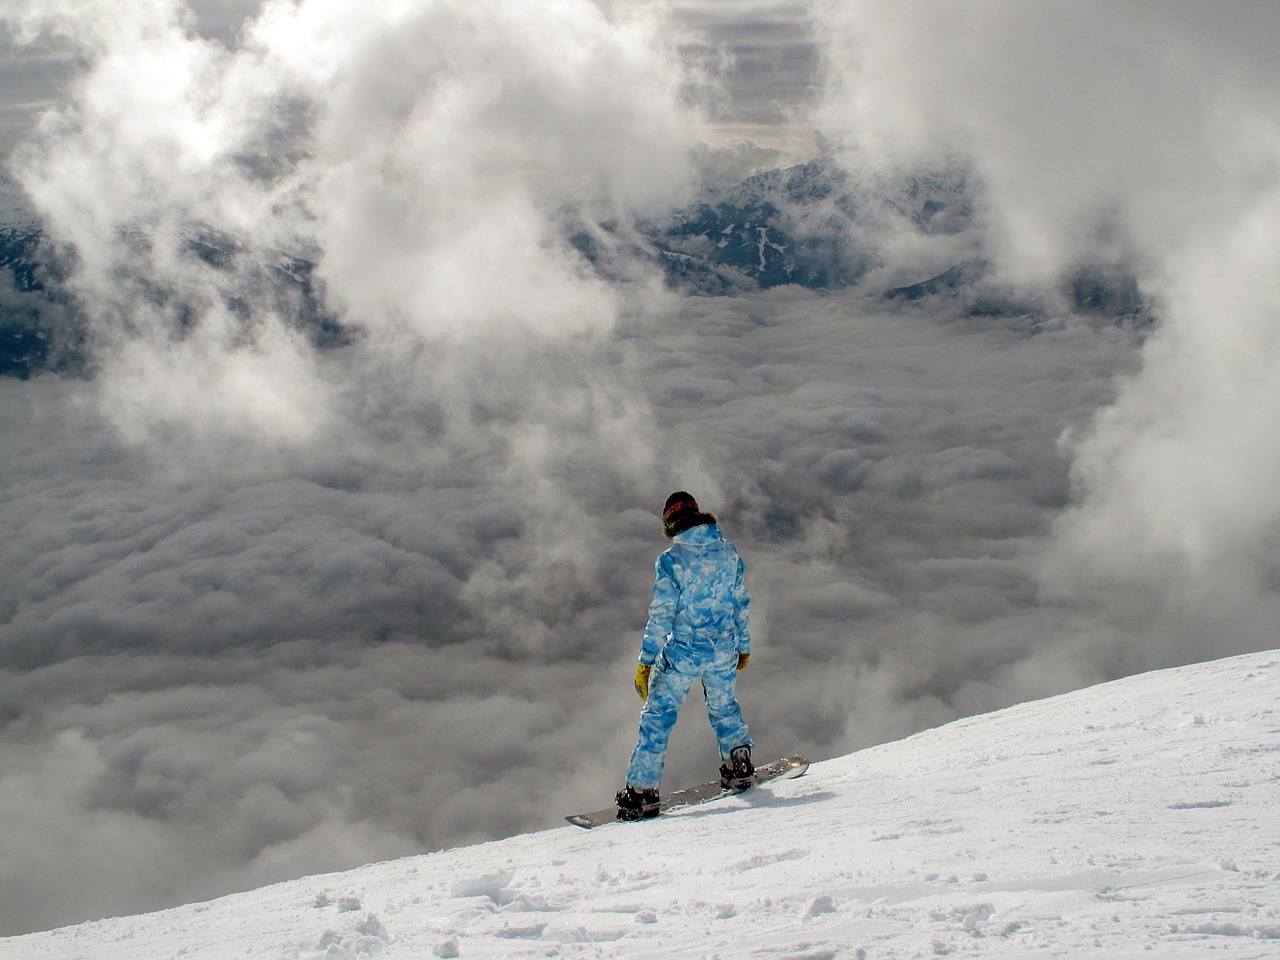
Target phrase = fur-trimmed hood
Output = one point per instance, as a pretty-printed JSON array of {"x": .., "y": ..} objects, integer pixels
[
  {"x": 699, "y": 535},
  {"x": 683, "y": 522}
]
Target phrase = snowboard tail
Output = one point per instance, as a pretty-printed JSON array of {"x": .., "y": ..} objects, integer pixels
[{"x": 786, "y": 768}]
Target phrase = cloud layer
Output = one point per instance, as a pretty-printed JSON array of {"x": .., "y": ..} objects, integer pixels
[
  {"x": 420, "y": 633},
  {"x": 407, "y": 523},
  {"x": 422, "y": 157},
  {"x": 269, "y": 609},
  {"x": 1114, "y": 132}
]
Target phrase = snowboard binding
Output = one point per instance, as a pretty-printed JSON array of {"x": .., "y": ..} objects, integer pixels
[
  {"x": 739, "y": 772},
  {"x": 636, "y": 804}
]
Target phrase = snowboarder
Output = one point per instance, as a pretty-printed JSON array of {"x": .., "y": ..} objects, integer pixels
[{"x": 698, "y": 630}]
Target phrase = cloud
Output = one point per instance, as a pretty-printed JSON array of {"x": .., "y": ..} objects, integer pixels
[
  {"x": 270, "y": 609},
  {"x": 1178, "y": 478},
  {"x": 763, "y": 56},
  {"x": 223, "y": 19},
  {"x": 29, "y": 76},
  {"x": 425, "y": 159},
  {"x": 421, "y": 631},
  {"x": 1071, "y": 110},
  {"x": 351, "y": 598},
  {"x": 1116, "y": 132}
]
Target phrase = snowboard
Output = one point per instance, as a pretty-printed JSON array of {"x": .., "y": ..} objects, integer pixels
[{"x": 786, "y": 768}]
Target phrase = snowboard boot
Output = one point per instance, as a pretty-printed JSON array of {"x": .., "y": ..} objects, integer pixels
[
  {"x": 636, "y": 804},
  {"x": 739, "y": 772}
]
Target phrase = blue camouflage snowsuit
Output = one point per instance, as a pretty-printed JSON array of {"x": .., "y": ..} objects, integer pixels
[{"x": 697, "y": 628}]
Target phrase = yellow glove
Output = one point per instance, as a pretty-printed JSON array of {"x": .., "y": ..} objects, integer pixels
[
  {"x": 743, "y": 660},
  {"x": 642, "y": 679}
]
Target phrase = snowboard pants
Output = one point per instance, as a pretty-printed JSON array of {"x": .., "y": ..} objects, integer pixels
[{"x": 681, "y": 663}]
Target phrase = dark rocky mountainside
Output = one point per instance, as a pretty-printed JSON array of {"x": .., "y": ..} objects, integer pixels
[{"x": 814, "y": 225}]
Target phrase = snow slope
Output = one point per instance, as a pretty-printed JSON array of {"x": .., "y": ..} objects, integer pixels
[{"x": 1136, "y": 818}]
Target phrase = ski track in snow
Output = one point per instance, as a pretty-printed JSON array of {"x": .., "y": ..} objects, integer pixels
[{"x": 1136, "y": 818}]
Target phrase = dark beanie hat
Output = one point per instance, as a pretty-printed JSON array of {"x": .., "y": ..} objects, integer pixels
[{"x": 677, "y": 505}]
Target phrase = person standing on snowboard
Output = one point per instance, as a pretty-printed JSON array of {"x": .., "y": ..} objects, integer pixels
[{"x": 698, "y": 630}]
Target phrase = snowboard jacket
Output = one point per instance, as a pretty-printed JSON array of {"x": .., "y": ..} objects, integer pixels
[{"x": 700, "y": 596}]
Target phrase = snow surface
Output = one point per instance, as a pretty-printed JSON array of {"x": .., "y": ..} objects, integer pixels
[{"x": 1138, "y": 818}]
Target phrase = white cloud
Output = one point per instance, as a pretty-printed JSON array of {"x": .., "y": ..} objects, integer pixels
[
  {"x": 323, "y": 606},
  {"x": 424, "y": 156},
  {"x": 1070, "y": 110},
  {"x": 1142, "y": 133},
  {"x": 392, "y": 633}
]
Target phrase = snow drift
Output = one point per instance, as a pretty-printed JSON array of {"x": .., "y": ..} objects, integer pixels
[{"x": 1134, "y": 816}]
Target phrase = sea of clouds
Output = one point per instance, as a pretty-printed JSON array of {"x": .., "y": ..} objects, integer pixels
[{"x": 271, "y": 608}]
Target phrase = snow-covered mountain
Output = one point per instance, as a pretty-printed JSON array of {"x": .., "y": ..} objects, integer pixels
[
  {"x": 813, "y": 225},
  {"x": 41, "y": 327},
  {"x": 1136, "y": 818},
  {"x": 24, "y": 346}
]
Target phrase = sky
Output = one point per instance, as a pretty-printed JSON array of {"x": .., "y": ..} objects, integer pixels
[
  {"x": 270, "y": 609},
  {"x": 760, "y": 50}
]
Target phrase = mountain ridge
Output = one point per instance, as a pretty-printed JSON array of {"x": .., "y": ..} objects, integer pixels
[{"x": 813, "y": 225}]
